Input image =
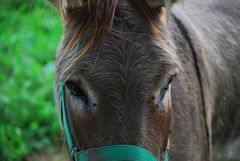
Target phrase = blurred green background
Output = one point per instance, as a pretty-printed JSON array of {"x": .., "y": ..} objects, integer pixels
[{"x": 30, "y": 32}]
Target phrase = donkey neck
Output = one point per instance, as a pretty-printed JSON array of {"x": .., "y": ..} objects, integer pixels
[{"x": 190, "y": 122}]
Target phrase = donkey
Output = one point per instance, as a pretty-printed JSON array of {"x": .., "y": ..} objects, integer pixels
[{"x": 153, "y": 75}]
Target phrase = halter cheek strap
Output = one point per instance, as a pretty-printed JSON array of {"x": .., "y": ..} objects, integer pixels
[
  {"x": 70, "y": 142},
  {"x": 109, "y": 153}
]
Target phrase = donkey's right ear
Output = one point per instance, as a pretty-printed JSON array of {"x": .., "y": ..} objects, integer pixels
[
  {"x": 160, "y": 3},
  {"x": 155, "y": 3}
]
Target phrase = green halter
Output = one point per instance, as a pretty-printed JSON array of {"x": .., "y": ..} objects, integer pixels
[{"x": 109, "y": 153}]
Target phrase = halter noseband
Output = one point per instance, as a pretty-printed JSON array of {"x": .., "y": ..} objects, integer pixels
[{"x": 108, "y": 153}]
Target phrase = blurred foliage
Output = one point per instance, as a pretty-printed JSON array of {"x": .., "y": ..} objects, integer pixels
[{"x": 30, "y": 31}]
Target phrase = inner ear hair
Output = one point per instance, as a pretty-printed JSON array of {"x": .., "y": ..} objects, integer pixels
[
  {"x": 72, "y": 3},
  {"x": 155, "y": 3},
  {"x": 160, "y": 3},
  {"x": 64, "y": 5}
]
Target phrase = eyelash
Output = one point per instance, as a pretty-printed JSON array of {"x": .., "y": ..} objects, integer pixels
[
  {"x": 77, "y": 91},
  {"x": 162, "y": 91},
  {"x": 165, "y": 89}
]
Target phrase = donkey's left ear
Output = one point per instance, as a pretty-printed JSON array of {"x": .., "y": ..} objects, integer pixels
[
  {"x": 68, "y": 4},
  {"x": 160, "y": 3},
  {"x": 64, "y": 5}
]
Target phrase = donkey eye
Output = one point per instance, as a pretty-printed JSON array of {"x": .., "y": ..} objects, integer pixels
[
  {"x": 166, "y": 86},
  {"x": 77, "y": 91},
  {"x": 83, "y": 98},
  {"x": 162, "y": 96}
]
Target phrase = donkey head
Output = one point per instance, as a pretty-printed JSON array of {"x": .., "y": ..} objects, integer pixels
[{"x": 117, "y": 63}]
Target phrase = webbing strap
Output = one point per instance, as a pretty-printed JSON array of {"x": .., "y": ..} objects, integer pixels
[
  {"x": 117, "y": 153},
  {"x": 165, "y": 157},
  {"x": 70, "y": 141}
]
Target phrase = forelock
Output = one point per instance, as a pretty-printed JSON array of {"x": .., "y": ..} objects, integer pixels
[{"x": 95, "y": 18}]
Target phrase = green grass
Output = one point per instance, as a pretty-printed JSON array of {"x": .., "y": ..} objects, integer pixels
[{"x": 30, "y": 32}]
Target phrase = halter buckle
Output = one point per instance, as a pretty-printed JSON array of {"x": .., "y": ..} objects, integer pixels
[{"x": 72, "y": 152}]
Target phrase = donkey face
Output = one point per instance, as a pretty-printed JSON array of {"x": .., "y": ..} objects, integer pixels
[{"x": 117, "y": 64}]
